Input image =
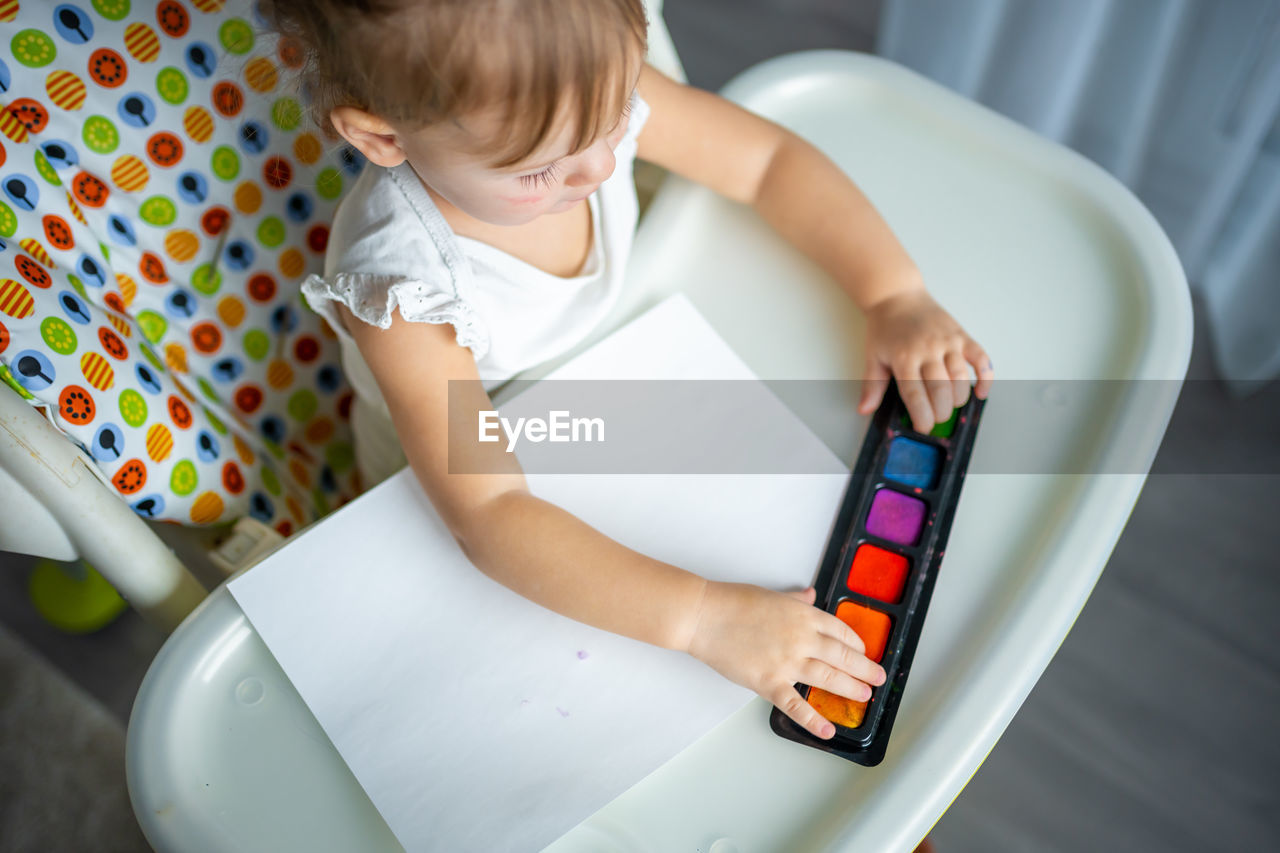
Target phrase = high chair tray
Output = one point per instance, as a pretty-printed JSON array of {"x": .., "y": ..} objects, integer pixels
[{"x": 1045, "y": 259}]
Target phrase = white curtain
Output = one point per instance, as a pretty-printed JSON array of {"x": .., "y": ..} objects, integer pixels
[{"x": 1179, "y": 99}]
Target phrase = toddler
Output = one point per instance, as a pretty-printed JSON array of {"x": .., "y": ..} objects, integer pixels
[{"x": 490, "y": 233}]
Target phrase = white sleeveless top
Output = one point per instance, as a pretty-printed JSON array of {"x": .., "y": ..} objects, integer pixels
[{"x": 390, "y": 248}]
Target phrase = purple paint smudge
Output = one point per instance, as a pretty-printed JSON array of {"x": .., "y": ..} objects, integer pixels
[
  {"x": 562, "y": 711},
  {"x": 582, "y": 654}
]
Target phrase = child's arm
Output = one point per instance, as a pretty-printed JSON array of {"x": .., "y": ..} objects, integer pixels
[
  {"x": 763, "y": 640},
  {"x": 817, "y": 208}
]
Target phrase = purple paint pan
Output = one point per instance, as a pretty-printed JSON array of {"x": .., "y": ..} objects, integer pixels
[{"x": 896, "y": 517}]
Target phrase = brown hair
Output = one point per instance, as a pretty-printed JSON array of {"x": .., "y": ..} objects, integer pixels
[{"x": 415, "y": 64}]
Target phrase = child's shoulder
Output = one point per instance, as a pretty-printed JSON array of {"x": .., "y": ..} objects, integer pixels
[
  {"x": 381, "y": 227},
  {"x": 374, "y": 200},
  {"x": 382, "y": 258}
]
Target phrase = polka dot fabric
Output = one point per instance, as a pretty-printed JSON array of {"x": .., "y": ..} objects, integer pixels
[{"x": 160, "y": 201}]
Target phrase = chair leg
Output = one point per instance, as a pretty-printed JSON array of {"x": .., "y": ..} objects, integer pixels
[{"x": 54, "y": 474}]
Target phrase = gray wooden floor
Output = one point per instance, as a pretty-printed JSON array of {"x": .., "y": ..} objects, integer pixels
[{"x": 1155, "y": 727}]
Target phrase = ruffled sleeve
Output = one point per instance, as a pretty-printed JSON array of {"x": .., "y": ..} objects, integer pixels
[
  {"x": 373, "y": 298},
  {"x": 390, "y": 249}
]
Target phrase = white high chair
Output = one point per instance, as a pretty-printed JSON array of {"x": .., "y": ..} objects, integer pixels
[{"x": 1042, "y": 256}]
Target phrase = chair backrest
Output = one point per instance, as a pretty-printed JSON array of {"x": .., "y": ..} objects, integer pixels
[{"x": 162, "y": 200}]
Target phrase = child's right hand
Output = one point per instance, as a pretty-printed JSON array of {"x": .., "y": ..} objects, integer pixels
[{"x": 767, "y": 641}]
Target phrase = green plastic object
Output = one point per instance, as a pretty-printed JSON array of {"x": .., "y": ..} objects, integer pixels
[
  {"x": 942, "y": 430},
  {"x": 73, "y": 597}
]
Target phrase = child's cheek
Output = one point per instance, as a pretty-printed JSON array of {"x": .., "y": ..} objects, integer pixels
[{"x": 522, "y": 201}]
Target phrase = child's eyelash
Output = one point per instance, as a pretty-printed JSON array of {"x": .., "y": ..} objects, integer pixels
[
  {"x": 542, "y": 179},
  {"x": 623, "y": 116}
]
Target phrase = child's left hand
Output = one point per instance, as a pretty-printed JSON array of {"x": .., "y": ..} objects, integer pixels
[
  {"x": 911, "y": 337},
  {"x": 812, "y": 203}
]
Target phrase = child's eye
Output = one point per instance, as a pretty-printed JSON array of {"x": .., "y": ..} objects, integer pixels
[
  {"x": 542, "y": 179},
  {"x": 622, "y": 116}
]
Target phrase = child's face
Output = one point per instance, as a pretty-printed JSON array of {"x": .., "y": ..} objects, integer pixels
[
  {"x": 455, "y": 164},
  {"x": 551, "y": 180}
]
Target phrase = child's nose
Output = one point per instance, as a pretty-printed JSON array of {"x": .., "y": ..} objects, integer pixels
[{"x": 595, "y": 165}]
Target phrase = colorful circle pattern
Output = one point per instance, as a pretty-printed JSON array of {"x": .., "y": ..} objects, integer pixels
[{"x": 162, "y": 200}]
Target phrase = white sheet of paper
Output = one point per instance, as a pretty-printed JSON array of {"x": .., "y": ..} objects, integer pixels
[{"x": 477, "y": 720}]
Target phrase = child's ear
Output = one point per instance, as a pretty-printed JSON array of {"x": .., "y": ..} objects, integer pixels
[{"x": 370, "y": 135}]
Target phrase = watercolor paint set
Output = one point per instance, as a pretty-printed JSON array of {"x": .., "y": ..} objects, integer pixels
[{"x": 882, "y": 561}]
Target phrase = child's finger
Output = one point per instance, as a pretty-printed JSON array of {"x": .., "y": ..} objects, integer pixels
[
  {"x": 911, "y": 388},
  {"x": 818, "y": 674},
  {"x": 874, "y": 383},
  {"x": 977, "y": 356},
  {"x": 840, "y": 656},
  {"x": 790, "y": 703},
  {"x": 830, "y": 626},
  {"x": 808, "y": 595},
  {"x": 959, "y": 370},
  {"x": 938, "y": 383}
]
